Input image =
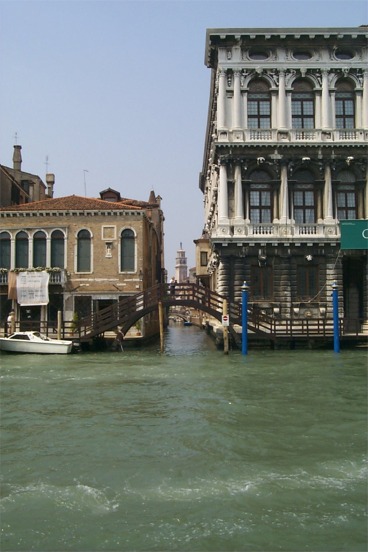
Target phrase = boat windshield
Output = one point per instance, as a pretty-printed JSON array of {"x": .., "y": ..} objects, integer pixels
[{"x": 41, "y": 336}]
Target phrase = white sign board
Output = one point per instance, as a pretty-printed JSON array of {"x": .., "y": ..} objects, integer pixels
[
  {"x": 33, "y": 288},
  {"x": 225, "y": 320}
]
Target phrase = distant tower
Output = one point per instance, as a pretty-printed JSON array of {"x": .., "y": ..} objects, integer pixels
[{"x": 181, "y": 266}]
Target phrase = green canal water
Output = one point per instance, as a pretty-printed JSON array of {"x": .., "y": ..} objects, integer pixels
[{"x": 189, "y": 450}]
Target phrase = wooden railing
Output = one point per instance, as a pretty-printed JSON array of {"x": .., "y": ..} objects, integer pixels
[
  {"x": 129, "y": 310},
  {"x": 126, "y": 312}
]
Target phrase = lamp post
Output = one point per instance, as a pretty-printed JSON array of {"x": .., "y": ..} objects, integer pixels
[
  {"x": 335, "y": 307},
  {"x": 245, "y": 290}
]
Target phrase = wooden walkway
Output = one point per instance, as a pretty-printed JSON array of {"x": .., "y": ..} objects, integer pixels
[{"x": 129, "y": 310}]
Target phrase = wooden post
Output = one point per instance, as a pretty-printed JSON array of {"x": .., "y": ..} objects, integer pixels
[
  {"x": 59, "y": 324},
  {"x": 225, "y": 329},
  {"x": 161, "y": 323}
]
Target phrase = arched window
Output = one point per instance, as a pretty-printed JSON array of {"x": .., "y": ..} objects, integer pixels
[
  {"x": 84, "y": 251},
  {"x": 302, "y": 104},
  {"x": 39, "y": 249},
  {"x": 57, "y": 249},
  {"x": 303, "y": 198},
  {"x": 127, "y": 251},
  {"x": 346, "y": 196},
  {"x": 21, "y": 250},
  {"x": 4, "y": 250},
  {"x": 345, "y": 104},
  {"x": 260, "y": 198},
  {"x": 259, "y": 104}
]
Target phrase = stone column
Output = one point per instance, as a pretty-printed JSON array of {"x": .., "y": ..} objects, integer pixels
[
  {"x": 366, "y": 193},
  {"x": 221, "y": 124},
  {"x": 317, "y": 110},
  {"x": 239, "y": 226},
  {"x": 365, "y": 101},
  {"x": 282, "y": 102},
  {"x": 327, "y": 195},
  {"x": 325, "y": 108},
  {"x": 237, "y": 101},
  {"x": 239, "y": 205},
  {"x": 284, "y": 195},
  {"x": 223, "y": 202}
]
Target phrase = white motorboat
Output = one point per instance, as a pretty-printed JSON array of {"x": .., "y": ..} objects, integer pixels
[{"x": 34, "y": 342}]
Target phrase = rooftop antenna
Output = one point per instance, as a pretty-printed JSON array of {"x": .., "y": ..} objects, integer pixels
[
  {"x": 47, "y": 164},
  {"x": 84, "y": 180},
  {"x": 16, "y": 138}
]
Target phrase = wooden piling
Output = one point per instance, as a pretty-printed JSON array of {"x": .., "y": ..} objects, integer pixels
[
  {"x": 161, "y": 323},
  {"x": 225, "y": 329},
  {"x": 59, "y": 324}
]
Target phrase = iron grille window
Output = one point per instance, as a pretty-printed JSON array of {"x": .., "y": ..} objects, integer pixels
[
  {"x": 261, "y": 282},
  {"x": 307, "y": 282}
]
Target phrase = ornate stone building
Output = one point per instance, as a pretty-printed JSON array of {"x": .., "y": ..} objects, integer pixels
[{"x": 285, "y": 161}]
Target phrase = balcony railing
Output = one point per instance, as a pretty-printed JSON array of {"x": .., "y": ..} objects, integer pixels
[
  {"x": 278, "y": 231},
  {"x": 293, "y": 135},
  {"x": 57, "y": 277}
]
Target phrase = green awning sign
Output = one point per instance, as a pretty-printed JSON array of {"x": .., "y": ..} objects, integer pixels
[{"x": 354, "y": 234}]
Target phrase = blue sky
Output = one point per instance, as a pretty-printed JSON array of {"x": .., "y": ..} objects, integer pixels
[{"x": 119, "y": 89}]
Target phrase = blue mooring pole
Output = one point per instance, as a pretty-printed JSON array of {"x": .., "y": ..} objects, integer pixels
[
  {"x": 245, "y": 289},
  {"x": 335, "y": 306}
]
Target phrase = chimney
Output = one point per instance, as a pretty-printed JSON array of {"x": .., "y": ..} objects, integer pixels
[
  {"x": 17, "y": 158},
  {"x": 50, "y": 181}
]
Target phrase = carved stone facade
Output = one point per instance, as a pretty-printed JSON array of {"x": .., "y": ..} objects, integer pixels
[{"x": 285, "y": 161}]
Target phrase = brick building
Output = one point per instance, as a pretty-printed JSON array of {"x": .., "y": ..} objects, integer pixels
[
  {"x": 18, "y": 186},
  {"x": 96, "y": 251}
]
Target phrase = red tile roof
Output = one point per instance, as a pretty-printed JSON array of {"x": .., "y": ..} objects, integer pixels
[{"x": 78, "y": 203}]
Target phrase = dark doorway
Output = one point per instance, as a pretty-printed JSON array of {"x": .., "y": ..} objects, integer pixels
[
  {"x": 30, "y": 318},
  {"x": 353, "y": 278}
]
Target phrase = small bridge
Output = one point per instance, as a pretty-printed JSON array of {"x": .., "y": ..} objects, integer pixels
[
  {"x": 129, "y": 310},
  {"x": 126, "y": 312}
]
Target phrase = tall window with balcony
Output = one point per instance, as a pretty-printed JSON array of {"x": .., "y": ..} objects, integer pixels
[
  {"x": 346, "y": 197},
  {"x": 57, "y": 249},
  {"x": 302, "y": 105},
  {"x": 259, "y": 105},
  {"x": 39, "y": 249},
  {"x": 21, "y": 250},
  {"x": 260, "y": 198},
  {"x": 84, "y": 250},
  {"x": 345, "y": 104},
  {"x": 5, "y": 250},
  {"x": 303, "y": 198},
  {"x": 127, "y": 251}
]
